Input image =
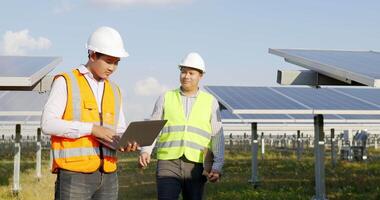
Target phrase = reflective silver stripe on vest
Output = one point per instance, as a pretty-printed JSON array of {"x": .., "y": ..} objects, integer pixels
[
  {"x": 117, "y": 102},
  {"x": 75, "y": 97},
  {"x": 180, "y": 143},
  {"x": 109, "y": 152},
  {"x": 74, "y": 152},
  {"x": 192, "y": 129}
]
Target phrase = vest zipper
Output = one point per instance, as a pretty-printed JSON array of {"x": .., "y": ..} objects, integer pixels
[
  {"x": 101, "y": 124},
  {"x": 101, "y": 167},
  {"x": 187, "y": 112}
]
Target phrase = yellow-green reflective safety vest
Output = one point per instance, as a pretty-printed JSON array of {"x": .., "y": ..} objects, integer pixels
[{"x": 182, "y": 136}]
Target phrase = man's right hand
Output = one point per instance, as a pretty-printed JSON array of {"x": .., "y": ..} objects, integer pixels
[
  {"x": 144, "y": 159},
  {"x": 103, "y": 133}
]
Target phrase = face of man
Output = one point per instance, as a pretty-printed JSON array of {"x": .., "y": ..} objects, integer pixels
[
  {"x": 102, "y": 66},
  {"x": 189, "y": 78}
]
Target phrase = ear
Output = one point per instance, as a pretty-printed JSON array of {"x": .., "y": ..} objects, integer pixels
[{"x": 93, "y": 57}]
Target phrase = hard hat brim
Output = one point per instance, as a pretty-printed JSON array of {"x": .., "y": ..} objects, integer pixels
[
  {"x": 118, "y": 54},
  {"x": 180, "y": 66}
]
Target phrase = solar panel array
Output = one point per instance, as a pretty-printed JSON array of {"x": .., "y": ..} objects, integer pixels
[
  {"x": 293, "y": 101},
  {"x": 27, "y": 106},
  {"x": 25, "y": 70},
  {"x": 359, "y": 66},
  {"x": 228, "y": 117},
  {"x": 21, "y": 106}
]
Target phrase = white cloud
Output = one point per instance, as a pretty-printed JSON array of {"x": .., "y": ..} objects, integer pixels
[
  {"x": 149, "y": 87},
  {"x": 63, "y": 7},
  {"x": 18, "y": 43},
  {"x": 116, "y": 3}
]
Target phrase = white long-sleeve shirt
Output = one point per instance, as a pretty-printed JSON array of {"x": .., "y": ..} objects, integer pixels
[
  {"x": 217, "y": 135},
  {"x": 52, "y": 122}
]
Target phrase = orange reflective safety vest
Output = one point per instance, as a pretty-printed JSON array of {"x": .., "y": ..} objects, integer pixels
[{"x": 86, "y": 154}]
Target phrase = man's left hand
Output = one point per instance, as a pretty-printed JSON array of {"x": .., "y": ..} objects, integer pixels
[{"x": 213, "y": 176}]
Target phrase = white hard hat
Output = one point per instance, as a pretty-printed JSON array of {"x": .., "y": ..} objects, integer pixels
[
  {"x": 193, "y": 60},
  {"x": 107, "y": 40}
]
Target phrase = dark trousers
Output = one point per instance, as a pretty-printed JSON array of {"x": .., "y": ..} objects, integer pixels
[
  {"x": 82, "y": 186},
  {"x": 180, "y": 175}
]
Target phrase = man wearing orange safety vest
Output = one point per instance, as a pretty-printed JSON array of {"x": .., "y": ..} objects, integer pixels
[{"x": 84, "y": 107}]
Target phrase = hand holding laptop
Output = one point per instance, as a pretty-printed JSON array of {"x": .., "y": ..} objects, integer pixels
[
  {"x": 129, "y": 147},
  {"x": 139, "y": 133},
  {"x": 103, "y": 133}
]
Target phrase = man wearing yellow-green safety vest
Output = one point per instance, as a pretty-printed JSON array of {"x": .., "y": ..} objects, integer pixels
[
  {"x": 85, "y": 107},
  {"x": 193, "y": 129}
]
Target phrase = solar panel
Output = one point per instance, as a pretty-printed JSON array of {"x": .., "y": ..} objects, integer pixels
[
  {"x": 22, "y": 103},
  {"x": 287, "y": 100},
  {"x": 260, "y": 99},
  {"x": 228, "y": 117},
  {"x": 347, "y": 66},
  {"x": 325, "y": 99},
  {"x": 25, "y": 71},
  {"x": 368, "y": 95},
  {"x": 20, "y": 119}
]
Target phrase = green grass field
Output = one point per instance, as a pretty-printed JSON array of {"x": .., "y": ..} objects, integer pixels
[{"x": 281, "y": 177}]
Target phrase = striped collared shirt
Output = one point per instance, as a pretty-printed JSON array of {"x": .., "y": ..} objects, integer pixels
[{"x": 217, "y": 136}]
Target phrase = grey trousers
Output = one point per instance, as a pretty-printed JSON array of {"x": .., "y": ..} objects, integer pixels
[
  {"x": 179, "y": 175},
  {"x": 81, "y": 186}
]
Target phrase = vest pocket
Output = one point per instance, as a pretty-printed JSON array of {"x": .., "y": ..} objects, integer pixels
[
  {"x": 90, "y": 111},
  {"x": 90, "y": 105},
  {"x": 108, "y": 117}
]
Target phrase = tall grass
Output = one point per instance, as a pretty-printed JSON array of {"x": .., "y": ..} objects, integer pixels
[
  {"x": 281, "y": 177},
  {"x": 31, "y": 188}
]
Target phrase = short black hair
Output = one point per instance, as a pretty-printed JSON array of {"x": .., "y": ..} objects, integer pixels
[{"x": 97, "y": 54}]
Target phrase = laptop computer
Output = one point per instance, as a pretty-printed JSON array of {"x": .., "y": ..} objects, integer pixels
[{"x": 142, "y": 132}]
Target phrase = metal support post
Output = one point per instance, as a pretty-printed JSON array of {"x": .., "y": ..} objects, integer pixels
[
  {"x": 255, "y": 178},
  {"x": 16, "y": 164},
  {"x": 333, "y": 148},
  {"x": 319, "y": 149},
  {"x": 298, "y": 145},
  {"x": 38, "y": 155},
  {"x": 262, "y": 145}
]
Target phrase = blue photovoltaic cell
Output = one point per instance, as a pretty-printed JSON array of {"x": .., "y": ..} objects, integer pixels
[
  {"x": 252, "y": 98},
  {"x": 360, "y": 62},
  {"x": 307, "y": 116},
  {"x": 369, "y": 117},
  {"x": 367, "y": 94},
  {"x": 22, "y": 66},
  {"x": 22, "y": 101},
  {"x": 34, "y": 118},
  {"x": 299, "y": 98},
  {"x": 265, "y": 116},
  {"x": 13, "y": 118},
  {"x": 324, "y": 99},
  {"x": 225, "y": 114}
]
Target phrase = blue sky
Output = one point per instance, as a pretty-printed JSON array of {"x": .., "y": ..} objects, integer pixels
[{"x": 232, "y": 36}]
